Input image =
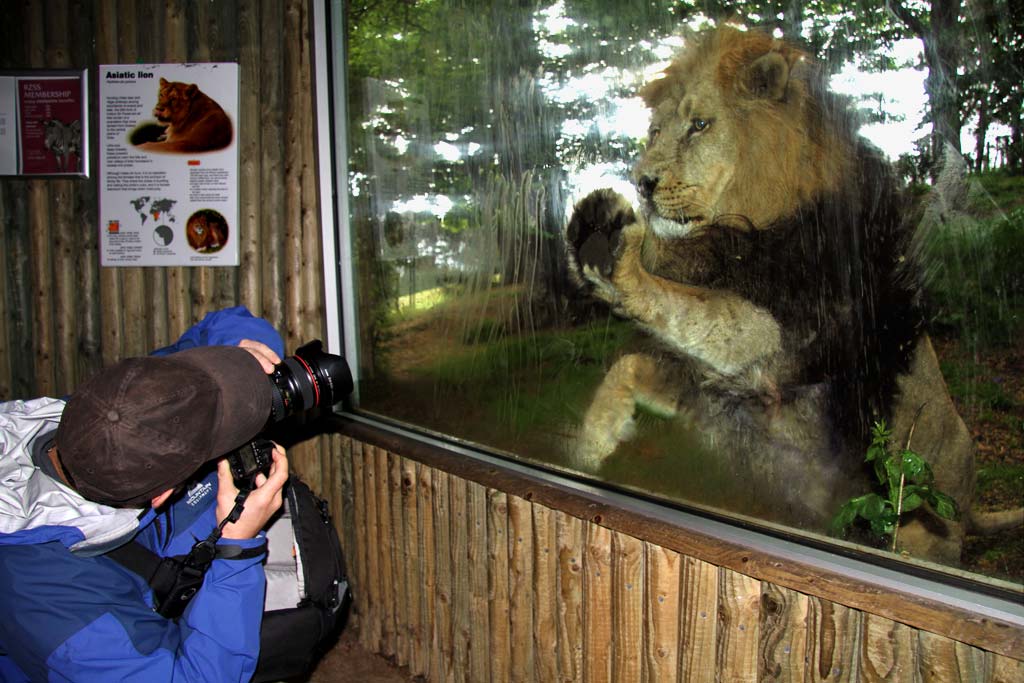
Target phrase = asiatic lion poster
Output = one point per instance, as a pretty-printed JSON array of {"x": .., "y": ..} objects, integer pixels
[{"x": 168, "y": 152}]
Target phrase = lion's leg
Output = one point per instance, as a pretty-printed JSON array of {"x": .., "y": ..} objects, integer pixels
[{"x": 634, "y": 379}]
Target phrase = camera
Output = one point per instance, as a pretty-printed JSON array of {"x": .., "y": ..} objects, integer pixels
[{"x": 310, "y": 379}]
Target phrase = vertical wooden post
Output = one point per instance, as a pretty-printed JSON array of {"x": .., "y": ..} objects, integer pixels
[
  {"x": 699, "y": 628},
  {"x": 397, "y": 554},
  {"x": 385, "y": 551},
  {"x": 570, "y": 597},
  {"x": 662, "y": 622},
  {"x": 783, "y": 650},
  {"x": 461, "y": 586},
  {"x": 628, "y": 605},
  {"x": 441, "y": 659},
  {"x": 545, "y": 593},
  {"x": 597, "y": 611},
  {"x": 498, "y": 556},
  {"x": 413, "y": 563},
  {"x": 479, "y": 602},
  {"x": 520, "y": 543}
]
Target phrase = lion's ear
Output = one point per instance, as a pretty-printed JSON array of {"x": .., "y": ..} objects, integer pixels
[{"x": 766, "y": 77}]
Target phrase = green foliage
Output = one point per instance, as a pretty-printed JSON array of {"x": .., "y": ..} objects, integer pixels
[
  {"x": 974, "y": 281},
  {"x": 973, "y": 384},
  {"x": 905, "y": 482},
  {"x": 1009, "y": 478}
]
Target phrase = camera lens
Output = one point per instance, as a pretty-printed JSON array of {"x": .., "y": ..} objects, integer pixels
[{"x": 308, "y": 379}]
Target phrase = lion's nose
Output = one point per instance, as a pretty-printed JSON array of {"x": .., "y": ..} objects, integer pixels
[{"x": 647, "y": 185}]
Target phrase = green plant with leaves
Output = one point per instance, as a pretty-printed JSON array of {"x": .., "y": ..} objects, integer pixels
[{"x": 906, "y": 483}]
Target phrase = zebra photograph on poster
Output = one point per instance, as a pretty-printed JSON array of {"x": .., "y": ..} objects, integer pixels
[{"x": 44, "y": 123}]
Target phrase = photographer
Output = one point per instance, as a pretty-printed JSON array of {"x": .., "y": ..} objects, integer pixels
[{"x": 130, "y": 456}]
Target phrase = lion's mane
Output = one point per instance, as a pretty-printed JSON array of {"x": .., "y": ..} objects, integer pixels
[{"x": 832, "y": 261}]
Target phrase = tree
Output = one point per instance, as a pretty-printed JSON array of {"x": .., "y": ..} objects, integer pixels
[{"x": 939, "y": 31}]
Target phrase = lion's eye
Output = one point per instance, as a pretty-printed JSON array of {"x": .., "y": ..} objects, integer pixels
[{"x": 697, "y": 125}]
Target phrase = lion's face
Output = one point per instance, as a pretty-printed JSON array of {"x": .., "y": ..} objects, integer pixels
[
  {"x": 735, "y": 137},
  {"x": 174, "y": 101}
]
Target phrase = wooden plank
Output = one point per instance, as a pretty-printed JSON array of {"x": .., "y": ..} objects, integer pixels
[
  {"x": 399, "y": 559},
  {"x": 177, "y": 279},
  {"x": 17, "y": 244},
  {"x": 628, "y": 607},
  {"x": 66, "y": 246},
  {"x": 521, "y": 598},
  {"x": 426, "y": 554},
  {"x": 42, "y": 292},
  {"x": 1007, "y": 670},
  {"x": 111, "y": 312},
  {"x": 153, "y": 281},
  {"x": 344, "y": 501},
  {"x": 248, "y": 138},
  {"x": 597, "y": 610},
  {"x": 888, "y": 650},
  {"x": 545, "y": 593},
  {"x": 359, "y": 558},
  {"x": 413, "y": 620},
  {"x": 739, "y": 598},
  {"x": 783, "y": 648},
  {"x": 372, "y": 590},
  {"x": 84, "y": 35},
  {"x": 271, "y": 190},
  {"x": 6, "y": 393},
  {"x": 291, "y": 225},
  {"x": 386, "y": 552},
  {"x": 66, "y": 253},
  {"x": 937, "y": 659},
  {"x": 479, "y": 601},
  {"x": 663, "y": 576},
  {"x": 699, "y": 621},
  {"x": 834, "y": 641},
  {"x": 570, "y": 597},
  {"x": 498, "y": 563},
  {"x": 461, "y": 588},
  {"x": 202, "y": 286},
  {"x": 441, "y": 659},
  {"x": 311, "y": 273}
]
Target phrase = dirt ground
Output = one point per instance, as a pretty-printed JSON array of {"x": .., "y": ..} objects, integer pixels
[{"x": 349, "y": 662}]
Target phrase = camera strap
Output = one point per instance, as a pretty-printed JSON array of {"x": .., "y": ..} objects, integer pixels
[{"x": 175, "y": 580}]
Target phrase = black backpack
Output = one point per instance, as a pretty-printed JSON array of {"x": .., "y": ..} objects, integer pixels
[{"x": 307, "y": 586}]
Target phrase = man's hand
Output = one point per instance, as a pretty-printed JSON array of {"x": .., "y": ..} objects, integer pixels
[
  {"x": 262, "y": 503},
  {"x": 267, "y": 357}
]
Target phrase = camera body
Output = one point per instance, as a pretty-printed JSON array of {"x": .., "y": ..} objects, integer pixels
[
  {"x": 301, "y": 383},
  {"x": 249, "y": 460}
]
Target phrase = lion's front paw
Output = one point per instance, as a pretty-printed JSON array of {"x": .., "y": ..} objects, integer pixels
[{"x": 594, "y": 234}]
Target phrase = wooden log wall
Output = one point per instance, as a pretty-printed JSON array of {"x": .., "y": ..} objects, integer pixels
[
  {"x": 62, "y": 316},
  {"x": 462, "y": 581}
]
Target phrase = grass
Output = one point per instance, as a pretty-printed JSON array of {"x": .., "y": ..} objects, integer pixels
[{"x": 973, "y": 280}]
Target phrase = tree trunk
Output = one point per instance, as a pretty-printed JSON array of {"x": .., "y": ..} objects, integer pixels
[
  {"x": 941, "y": 38},
  {"x": 980, "y": 150}
]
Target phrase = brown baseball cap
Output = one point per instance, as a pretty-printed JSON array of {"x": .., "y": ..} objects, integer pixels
[{"x": 146, "y": 425}]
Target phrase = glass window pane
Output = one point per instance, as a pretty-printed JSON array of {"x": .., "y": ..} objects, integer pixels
[{"x": 766, "y": 270}]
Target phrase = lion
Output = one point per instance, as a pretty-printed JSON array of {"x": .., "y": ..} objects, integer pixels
[
  {"x": 189, "y": 121},
  {"x": 206, "y": 231},
  {"x": 772, "y": 270}
]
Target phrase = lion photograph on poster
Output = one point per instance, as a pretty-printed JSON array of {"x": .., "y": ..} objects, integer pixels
[{"x": 187, "y": 121}]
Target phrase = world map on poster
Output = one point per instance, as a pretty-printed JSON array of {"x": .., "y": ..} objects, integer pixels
[{"x": 159, "y": 209}]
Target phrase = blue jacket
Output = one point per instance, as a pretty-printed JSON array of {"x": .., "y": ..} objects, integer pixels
[{"x": 69, "y": 613}]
